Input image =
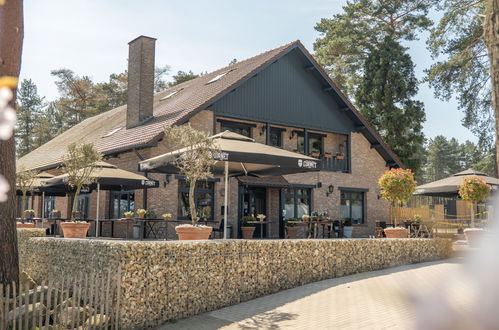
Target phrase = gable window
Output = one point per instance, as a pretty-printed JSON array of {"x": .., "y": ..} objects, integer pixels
[
  {"x": 275, "y": 137},
  {"x": 236, "y": 127},
  {"x": 204, "y": 199},
  {"x": 121, "y": 201},
  {"x": 352, "y": 206}
]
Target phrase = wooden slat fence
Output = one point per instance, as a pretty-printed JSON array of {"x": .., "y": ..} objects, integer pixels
[{"x": 86, "y": 301}]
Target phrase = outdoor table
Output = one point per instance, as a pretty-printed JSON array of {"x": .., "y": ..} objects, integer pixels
[{"x": 261, "y": 226}]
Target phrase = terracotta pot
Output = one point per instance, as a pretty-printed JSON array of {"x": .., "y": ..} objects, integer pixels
[
  {"x": 75, "y": 229},
  {"x": 141, "y": 216},
  {"x": 25, "y": 225},
  {"x": 474, "y": 236},
  {"x": 396, "y": 232},
  {"x": 328, "y": 156},
  {"x": 292, "y": 231},
  {"x": 248, "y": 232},
  {"x": 340, "y": 157},
  {"x": 193, "y": 233}
]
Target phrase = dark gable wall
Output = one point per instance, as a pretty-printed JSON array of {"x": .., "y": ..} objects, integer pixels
[{"x": 285, "y": 93}]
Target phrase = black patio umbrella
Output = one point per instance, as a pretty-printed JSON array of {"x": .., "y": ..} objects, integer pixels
[
  {"x": 106, "y": 177},
  {"x": 239, "y": 155}
]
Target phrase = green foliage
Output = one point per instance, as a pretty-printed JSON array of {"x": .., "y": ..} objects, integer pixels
[
  {"x": 474, "y": 189},
  {"x": 385, "y": 99},
  {"x": 182, "y": 76},
  {"x": 397, "y": 185},
  {"x": 29, "y": 111},
  {"x": 77, "y": 164},
  {"x": 196, "y": 160},
  {"x": 445, "y": 157},
  {"x": 245, "y": 221},
  {"x": 462, "y": 69},
  {"x": 346, "y": 38}
]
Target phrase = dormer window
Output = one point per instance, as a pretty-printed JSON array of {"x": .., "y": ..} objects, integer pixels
[
  {"x": 218, "y": 77},
  {"x": 111, "y": 132},
  {"x": 170, "y": 94}
]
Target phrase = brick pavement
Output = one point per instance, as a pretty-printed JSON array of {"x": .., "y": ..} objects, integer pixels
[{"x": 374, "y": 300}]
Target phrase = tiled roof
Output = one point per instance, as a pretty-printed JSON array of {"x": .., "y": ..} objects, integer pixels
[
  {"x": 191, "y": 96},
  {"x": 188, "y": 97}
]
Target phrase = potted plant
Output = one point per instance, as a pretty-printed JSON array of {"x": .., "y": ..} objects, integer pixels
[
  {"x": 195, "y": 164},
  {"x": 141, "y": 213},
  {"x": 19, "y": 224},
  {"x": 78, "y": 166},
  {"x": 292, "y": 227},
  {"x": 339, "y": 155},
  {"x": 305, "y": 217},
  {"x": 247, "y": 228},
  {"x": 346, "y": 224},
  {"x": 25, "y": 180},
  {"x": 473, "y": 189},
  {"x": 328, "y": 155},
  {"x": 397, "y": 186},
  {"x": 167, "y": 216},
  {"x": 314, "y": 154},
  {"x": 29, "y": 214},
  {"x": 261, "y": 217},
  {"x": 128, "y": 214}
]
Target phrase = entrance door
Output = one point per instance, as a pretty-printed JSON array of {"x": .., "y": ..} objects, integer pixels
[{"x": 254, "y": 202}]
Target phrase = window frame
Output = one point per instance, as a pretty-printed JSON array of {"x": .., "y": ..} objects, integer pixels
[
  {"x": 114, "y": 193},
  {"x": 363, "y": 194},
  {"x": 295, "y": 196},
  {"x": 226, "y": 125},
  {"x": 278, "y": 131},
  {"x": 185, "y": 189}
]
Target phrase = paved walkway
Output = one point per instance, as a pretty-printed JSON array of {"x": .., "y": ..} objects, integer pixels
[{"x": 375, "y": 300}]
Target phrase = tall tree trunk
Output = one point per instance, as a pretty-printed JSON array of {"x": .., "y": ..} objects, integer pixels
[
  {"x": 491, "y": 37},
  {"x": 74, "y": 209},
  {"x": 192, "y": 201},
  {"x": 11, "y": 37}
]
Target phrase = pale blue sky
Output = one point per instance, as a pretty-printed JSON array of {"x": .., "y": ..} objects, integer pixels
[{"x": 91, "y": 36}]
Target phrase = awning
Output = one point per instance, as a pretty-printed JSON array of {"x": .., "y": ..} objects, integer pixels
[
  {"x": 448, "y": 187},
  {"x": 277, "y": 181}
]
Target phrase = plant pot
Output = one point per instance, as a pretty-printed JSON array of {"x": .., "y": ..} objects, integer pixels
[
  {"x": 75, "y": 229},
  {"x": 314, "y": 154},
  {"x": 328, "y": 156},
  {"x": 292, "y": 231},
  {"x": 128, "y": 216},
  {"x": 193, "y": 233},
  {"x": 248, "y": 232},
  {"x": 397, "y": 232},
  {"x": 347, "y": 231},
  {"x": 340, "y": 157},
  {"x": 25, "y": 225},
  {"x": 141, "y": 216},
  {"x": 474, "y": 236}
]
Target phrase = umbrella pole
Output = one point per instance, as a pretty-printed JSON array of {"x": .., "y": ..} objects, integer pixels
[
  {"x": 97, "y": 215},
  {"x": 225, "y": 198}
]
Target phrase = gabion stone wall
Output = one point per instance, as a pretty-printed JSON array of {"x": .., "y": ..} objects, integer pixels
[{"x": 164, "y": 281}]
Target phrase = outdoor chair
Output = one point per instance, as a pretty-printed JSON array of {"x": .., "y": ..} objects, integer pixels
[
  {"x": 379, "y": 231},
  {"x": 219, "y": 230}
]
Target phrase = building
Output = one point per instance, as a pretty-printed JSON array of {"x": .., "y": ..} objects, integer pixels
[{"x": 282, "y": 97}]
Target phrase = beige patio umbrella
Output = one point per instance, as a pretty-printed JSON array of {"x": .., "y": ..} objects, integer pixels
[
  {"x": 107, "y": 177},
  {"x": 36, "y": 184},
  {"x": 239, "y": 155},
  {"x": 448, "y": 187}
]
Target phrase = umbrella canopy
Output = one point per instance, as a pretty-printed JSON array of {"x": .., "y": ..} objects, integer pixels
[
  {"x": 37, "y": 186},
  {"x": 448, "y": 187},
  {"x": 109, "y": 177},
  {"x": 243, "y": 155}
]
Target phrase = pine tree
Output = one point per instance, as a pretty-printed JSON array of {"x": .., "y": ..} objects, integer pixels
[
  {"x": 29, "y": 108},
  {"x": 385, "y": 98}
]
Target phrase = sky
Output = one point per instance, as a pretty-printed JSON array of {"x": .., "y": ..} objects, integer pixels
[{"x": 90, "y": 37}]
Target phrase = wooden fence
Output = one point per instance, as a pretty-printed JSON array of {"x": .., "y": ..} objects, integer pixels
[{"x": 88, "y": 301}]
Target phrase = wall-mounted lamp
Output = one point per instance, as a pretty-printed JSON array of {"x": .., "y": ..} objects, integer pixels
[
  {"x": 330, "y": 190},
  {"x": 292, "y": 135},
  {"x": 167, "y": 179}
]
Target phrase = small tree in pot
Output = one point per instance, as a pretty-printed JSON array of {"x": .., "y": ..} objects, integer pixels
[
  {"x": 397, "y": 186},
  {"x": 247, "y": 228},
  {"x": 195, "y": 164},
  {"x": 473, "y": 189},
  {"x": 78, "y": 166},
  {"x": 292, "y": 227},
  {"x": 24, "y": 182}
]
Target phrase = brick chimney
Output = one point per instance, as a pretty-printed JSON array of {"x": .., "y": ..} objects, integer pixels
[{"x": 140, "y": 80}]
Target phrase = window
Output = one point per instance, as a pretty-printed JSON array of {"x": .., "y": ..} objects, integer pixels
[
  {"x": 300, "y": 146},
  {"x": 275, "y": 137},
  {"x": 204, "y": 199},
  {"x": 239, "y": 128},
  {"x": 352, "y": 207},
  {"x": 218, "y": 77},
  {"x": 83, "y": 205},
  {"x": 297, "y": 202},
  {"x": 49, "y": 205},
  {"x": 112, "y": 131},
  {"x": 170, "y": 94},
  {"x": 121, "y": 201},
  {"x": 315, "y": 143}
]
